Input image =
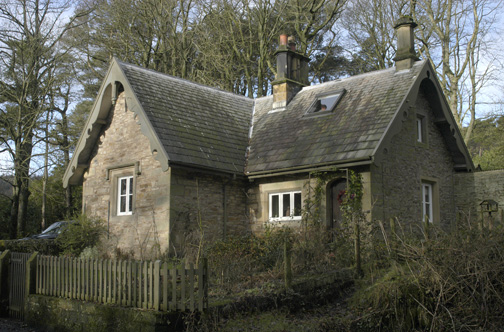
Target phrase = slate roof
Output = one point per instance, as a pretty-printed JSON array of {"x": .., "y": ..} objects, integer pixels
[
  {"x": 203, "y": 127},
  {"x": 288, "y": 139},
  {"x": 197, "y": 125}
]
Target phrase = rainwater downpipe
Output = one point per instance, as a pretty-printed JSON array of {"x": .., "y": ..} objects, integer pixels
[
  {"x": 224, "y": 209},
  {"x": 108, "y": 220},
  {"x": 305, "y": 224}
]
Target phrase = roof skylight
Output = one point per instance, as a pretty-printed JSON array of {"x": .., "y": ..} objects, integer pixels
[{"x": 326, "y": 103}]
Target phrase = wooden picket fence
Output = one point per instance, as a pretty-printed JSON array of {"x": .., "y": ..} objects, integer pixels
[{"x": 139, "y": 284}]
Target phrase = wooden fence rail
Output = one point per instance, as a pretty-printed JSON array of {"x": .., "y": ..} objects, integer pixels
[{"x": 139, "y": 284}]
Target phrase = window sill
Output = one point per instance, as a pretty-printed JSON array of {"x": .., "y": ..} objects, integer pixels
[
  {"x": 284, "y": 221},
  {"x": 317, "y": 114},
  {"x": 122, "y": 218}
]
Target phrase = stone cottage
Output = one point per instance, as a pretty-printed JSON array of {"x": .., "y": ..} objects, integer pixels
[{"x": 165, "y": 161}]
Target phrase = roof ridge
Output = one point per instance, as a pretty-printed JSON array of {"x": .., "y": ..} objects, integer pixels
[
  {"x": 369, "y": 73},
  {"x": 175, "y": 78}
]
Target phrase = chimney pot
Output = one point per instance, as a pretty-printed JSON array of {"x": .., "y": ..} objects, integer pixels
[
  {"x": 292, "y": 72},
  {"x": 292, "y": 43},
  {"x": 283, "y": 40}
]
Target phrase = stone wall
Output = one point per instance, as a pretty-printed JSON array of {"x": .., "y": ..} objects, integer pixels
[
  {"x": 259, "y": 190},
  {"x": 122, "y": 149},
  {"x": 473, "y": 188},
  {"x": 397, "y": 180},
  {"x": 198, "y": 207},
  {"x": 166, "y": 204},
  {"x": 258, "y": 197}
]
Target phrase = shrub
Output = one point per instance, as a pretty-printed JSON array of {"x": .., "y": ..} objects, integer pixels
[
  {"x": 272, "y": 242},
  {"x": 394, "y": 302},
  {"x": 230, "y": 260},
  {"x": 244, "y": 261},
  {"x": 237, "y": 258},
  {"x": 84, "y": 232},
  {"x": 90, "y": 253},
  {"x": 452, "y": 281},
  {"x": 43, "y": 246}
]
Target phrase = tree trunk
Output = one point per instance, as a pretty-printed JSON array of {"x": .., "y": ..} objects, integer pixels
[
  {"x": 46, "y": 173},
  {"x": 65, "y": 146},
  {"x": 23, "y": 207},
  {"x": 22, "y": 174},
  {"x": 14, "y": 212}
]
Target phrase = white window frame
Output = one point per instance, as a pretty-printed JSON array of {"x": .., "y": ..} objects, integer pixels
[
  {"x": 128, "y": 195},
  {"x": 427, "y": 202},
  {"x": 282, "y": 215},
  {"x": 419, "y": 130}
]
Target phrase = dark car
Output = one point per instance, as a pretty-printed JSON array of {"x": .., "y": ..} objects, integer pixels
[{"x": 50, "y": 232}]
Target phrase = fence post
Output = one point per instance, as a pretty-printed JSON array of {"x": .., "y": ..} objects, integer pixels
[
  {"x": 393, "y": 238},
  {"x": 157, "y": 276},
  {"x": 31, "y": 278},
  {"x": 357, "y": 246},
  {"x": 4, "y": 273},
  {"x": 287, "y": 265},
  {"x": 205, "y": 282},
  {"x": 31, "y": 270},
  {"x": 4, "y": 280}
]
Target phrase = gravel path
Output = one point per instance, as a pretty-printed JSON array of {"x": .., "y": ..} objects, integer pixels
[{"x": 11, "y": 325}]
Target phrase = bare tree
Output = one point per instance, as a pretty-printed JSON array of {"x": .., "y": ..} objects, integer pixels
[
  {"x": 30, "y": 45},
  {"x": 313, "y": 18},
  {"x": 370, "y": 28},
  {"x": 240, "y": 37},
  {"x": 245, "y": 32},
  {"x": 454, "y": 36},
  {"x": 150, "y": 33},
  {"x": 224, "y": 43}
]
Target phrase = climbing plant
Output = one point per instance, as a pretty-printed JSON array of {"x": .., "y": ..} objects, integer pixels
[
  {"x": 351, "y": 203},
  {"x": 353, "y": 214},
  {"x": 312, "y": 208},
  {"x": 354, "y": 226}
]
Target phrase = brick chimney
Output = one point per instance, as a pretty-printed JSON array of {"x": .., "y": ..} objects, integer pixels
[
  {"x": 292, "y": 72},
  {"x": 406, "y": 55}
]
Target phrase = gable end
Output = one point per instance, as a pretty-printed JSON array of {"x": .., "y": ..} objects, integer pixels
[
  {"x": 114, "y": 82},
  {"x": 427, "y": 83}
]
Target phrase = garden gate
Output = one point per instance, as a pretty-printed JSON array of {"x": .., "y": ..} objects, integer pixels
[{"x": 17, "y": 287}]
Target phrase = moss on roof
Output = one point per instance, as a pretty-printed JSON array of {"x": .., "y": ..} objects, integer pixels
[
  {"x": 289, "y": 139},
  {"x": 197, "y": 125}
]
